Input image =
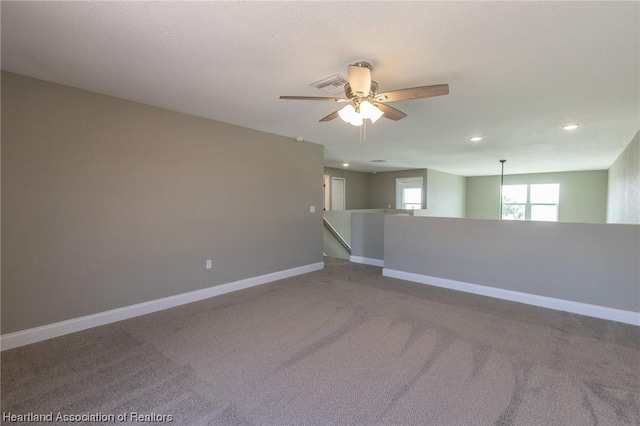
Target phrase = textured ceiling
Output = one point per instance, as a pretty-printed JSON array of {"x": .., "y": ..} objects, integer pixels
[{"x": 517, "y": 72}]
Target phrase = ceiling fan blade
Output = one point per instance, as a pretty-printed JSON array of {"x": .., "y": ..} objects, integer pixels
[
  {"x": 413, "y": 93},
  {"x": 390, "y": 112},
  {"x": 314, "y": 98},
  {"x": 330, "y": 117}
]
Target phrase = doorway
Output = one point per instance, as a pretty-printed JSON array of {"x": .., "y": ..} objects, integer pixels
[{"x": 337, "y": 193}]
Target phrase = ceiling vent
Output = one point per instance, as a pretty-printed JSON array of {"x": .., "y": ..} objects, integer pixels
[
  {"x": 378, "y": 161},
  {"x": 334, "y": 84}
]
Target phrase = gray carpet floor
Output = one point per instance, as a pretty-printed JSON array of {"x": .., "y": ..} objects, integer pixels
[{"x": 339, "y": 346}]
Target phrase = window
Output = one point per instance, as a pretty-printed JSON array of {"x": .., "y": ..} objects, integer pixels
[
  {"x": 409, "y": 193},
  {"x": 411, "y": 198},
  {"x": 531, "y": 202},
  {"x": 514, "y": 202}
]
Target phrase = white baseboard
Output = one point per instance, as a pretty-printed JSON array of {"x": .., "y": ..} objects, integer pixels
[
  {"x": 619, "y": 315},
  {"x": 37, "y": 334},
  {"x": 366, "y": 260}
]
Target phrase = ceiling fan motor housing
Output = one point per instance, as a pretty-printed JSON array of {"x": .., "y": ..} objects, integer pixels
[{"x": 372, "y": 91}]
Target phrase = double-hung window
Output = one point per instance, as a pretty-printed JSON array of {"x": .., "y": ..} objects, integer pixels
[
  {"x": 531, "y": 202},
  {"x": 409, "y": 193}
]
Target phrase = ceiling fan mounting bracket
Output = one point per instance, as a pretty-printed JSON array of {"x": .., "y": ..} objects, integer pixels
[{"x": 363, "y": 64}]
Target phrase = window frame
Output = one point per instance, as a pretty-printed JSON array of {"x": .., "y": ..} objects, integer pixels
[
  {"x": 528, "y": 204},
  {"x": 400, "y": 182}
]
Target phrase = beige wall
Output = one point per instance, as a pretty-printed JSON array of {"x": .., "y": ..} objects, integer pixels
[
  {"x": 623, "y": 202},
  {"x": 583, "y": 195},
  {"x": 580, "y": 262},
  {"x": 356, "y": 194},
  {"x": 367, "y": 235},
  {"x": 446, "y": 195},
  {"x": 108, "y": 203},
  {"x": 382, "y": 187}
]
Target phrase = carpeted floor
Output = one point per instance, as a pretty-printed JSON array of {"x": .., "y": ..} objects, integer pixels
[{"x": 339, "y": 346}]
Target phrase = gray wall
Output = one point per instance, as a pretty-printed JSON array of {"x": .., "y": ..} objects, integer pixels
[
  {"x": 589, "y": 263},
  {"x": 623, "y": 203},
  {"x": 367, "y": 235},
  {"x": 382, "y": 187},
  {"x": 356, "y": 196},
  {"x": 583, "y": 195},
  {"x": 108, "y": 203},
  {"x": 446, "y": 195},
  {"x": 340, "y": 220}
]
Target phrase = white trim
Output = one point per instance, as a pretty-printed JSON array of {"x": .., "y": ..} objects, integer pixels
[
  {"x": 37, "y": 334},
  {"x": 596, "y": 311},
  {"x": 327, "y": 192},
  {"x": 366, "y": 260}
]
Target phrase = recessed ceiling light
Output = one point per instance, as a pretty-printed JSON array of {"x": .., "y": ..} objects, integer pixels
[
  {"x": 300, "y": 139},
  {"x": 475, "y": 138},
  {"x": 345, "y": 164},
  {"x": 570, "y": 126}
]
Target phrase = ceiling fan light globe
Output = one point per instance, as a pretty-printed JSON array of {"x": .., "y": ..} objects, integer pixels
[
  {"x": 348, "y": 113},
  {"x": 357, "y": 120},
  {"x": 375, "y": 118},
  {"x": 370, "y": 111}
]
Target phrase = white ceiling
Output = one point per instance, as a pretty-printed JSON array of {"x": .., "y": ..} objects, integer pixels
[{"x": 517, "y": 72}]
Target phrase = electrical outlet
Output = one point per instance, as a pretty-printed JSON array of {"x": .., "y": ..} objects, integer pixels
[
  {"x": 312, "y": 209},
  {"x": 209, "y": 264}
]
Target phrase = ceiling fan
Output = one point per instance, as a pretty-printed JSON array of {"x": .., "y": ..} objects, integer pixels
[{"x": 365, "y": 103}]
